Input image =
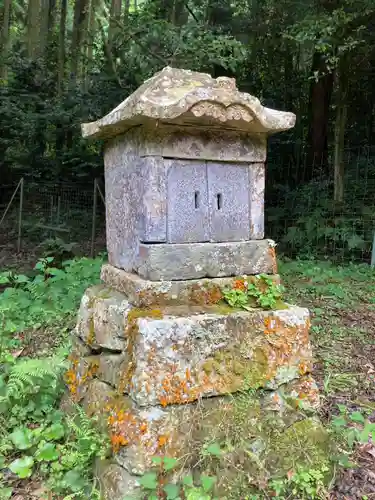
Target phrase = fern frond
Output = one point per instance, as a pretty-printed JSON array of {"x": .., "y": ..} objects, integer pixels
[{"x": 28, "y": 373}]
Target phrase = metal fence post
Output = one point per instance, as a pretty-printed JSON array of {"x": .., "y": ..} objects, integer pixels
[
  {"x": 93, "y": 226},
  {"x": 11, "y": 201},
  {"x": 58, "y": 210},
  {"x": 19, "y": 239}
]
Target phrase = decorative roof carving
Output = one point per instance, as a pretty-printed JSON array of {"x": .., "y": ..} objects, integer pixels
[{"x": 187, "y": 98}]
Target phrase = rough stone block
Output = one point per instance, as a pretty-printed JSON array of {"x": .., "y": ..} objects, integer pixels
[
  {"x": 146, "y": 293},
  {"x": 158, "y": 262},
  {"x": 101, "y": 318},
  {"x": 240, "y": 422},
  {"x": 83, "y": 367},
  {"x": 109, "y": 366},
  {"x": 177, "y": 359},
  {"x": 179, "y": 354},
  {"x": 115, "y": 482}
]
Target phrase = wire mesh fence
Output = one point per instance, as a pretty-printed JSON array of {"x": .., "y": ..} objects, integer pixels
[
  {"x": 35, "y": 217},
  {"x": 305, "y": 220},
  {"x": 301, "y": 218}
]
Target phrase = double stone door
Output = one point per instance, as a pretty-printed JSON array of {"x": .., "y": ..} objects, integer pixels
[{"x": 207, "y": 202}]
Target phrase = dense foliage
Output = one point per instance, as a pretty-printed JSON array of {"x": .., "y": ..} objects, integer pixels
[
  {"x": 37, "y": 439},
  {"x": 62, "y": 63}
]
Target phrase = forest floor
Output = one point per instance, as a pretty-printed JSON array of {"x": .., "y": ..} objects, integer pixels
[{"x": 342, "y": 304}]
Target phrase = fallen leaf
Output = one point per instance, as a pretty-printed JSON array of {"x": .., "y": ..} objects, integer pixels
[
  {"x": 17, "y": 354},
  {"x": 371, "y": 451}
]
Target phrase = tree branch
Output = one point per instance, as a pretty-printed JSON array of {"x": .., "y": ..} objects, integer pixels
[{"x": 191, "y": 12}]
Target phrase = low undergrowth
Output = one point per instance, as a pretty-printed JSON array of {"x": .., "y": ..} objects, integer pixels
[
  {"x": 43, "y": 451},
  {"x": 46, "y": 453}
]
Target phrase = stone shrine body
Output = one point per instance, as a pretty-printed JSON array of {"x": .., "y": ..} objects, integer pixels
[
  {"x": 184, "y": 173},
  {"x": 156, "y": 349}
]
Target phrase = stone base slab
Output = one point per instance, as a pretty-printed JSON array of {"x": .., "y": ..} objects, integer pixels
[
  {"x": 145, "y": 293},
  {"x": 179, "y": 354},
  {"x": 158, "y": 262},
  {"x": 260, "y": 434}
]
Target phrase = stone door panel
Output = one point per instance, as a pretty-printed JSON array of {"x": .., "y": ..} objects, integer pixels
[
  {"x": 207, "y": 201},
  {"x": 187, "y": 219},
  {"x": 228, "y": 196}
]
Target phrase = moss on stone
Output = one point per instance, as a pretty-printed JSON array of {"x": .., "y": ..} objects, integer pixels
[
  {"x": 105, "y": 293},
  {"x": 258, "y": 445},
  {"x": 238, "y": 371},
  {"x": 305, "y": 443},
  {"x": 280, "y": 305},
  {"x": 91, "y": 338}
]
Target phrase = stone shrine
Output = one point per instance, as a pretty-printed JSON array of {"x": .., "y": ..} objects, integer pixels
[{"x": 160, "y": 353}]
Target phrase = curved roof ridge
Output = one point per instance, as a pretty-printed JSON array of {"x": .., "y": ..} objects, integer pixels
[{"x": 185, "y": 97}]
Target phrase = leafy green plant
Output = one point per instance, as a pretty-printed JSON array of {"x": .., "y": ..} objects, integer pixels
[
  {"x": 83, "y": 442},
  {"x": 36, "y": 438},
  {"x": 154, "y": 483},
  {"x": 303, "y": 484},
  {"x": 58, "y": 249},
  {"x": 262, "y": 292},
  {"x": 47, "y": 298},
  {"x": 353, "y": 427}
]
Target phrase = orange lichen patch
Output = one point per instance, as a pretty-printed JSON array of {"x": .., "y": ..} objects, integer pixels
[
  {"x": 273, "y": 325},
  {"x": 162, "y": 441},
  {"x": 71, "y": 380},
  {"x": 205, "y": 294},
  {"x": 240, "y": 284},
  {"x": 272, "y": 254},
  {"x": 176, "y": 389},
  {"x": 149, "y": 297},
  {"x": 303, "y": 368},
  {"x": 143, "y": 428},
  {"x": 124, "y": 427},
  {"x": 307, "y": 389},
  {"x": 75, "y": 378}
]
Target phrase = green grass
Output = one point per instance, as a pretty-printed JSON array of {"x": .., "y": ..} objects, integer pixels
[{"x": 342, "y": 303}]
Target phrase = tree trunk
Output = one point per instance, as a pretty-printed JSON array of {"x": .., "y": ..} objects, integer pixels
[
  {"x": 78, "y": 37},
  {"x": 61, "y": 56},
  {"x": 340, "y": 125},
  {"x": 319, "y": 106},
  {"x": 33, "y": 22},
  {"x": 111, "y": 64},
  {"x": 43, "y": 26},
  {"x": 51, "y": 21},
  {"x": 4, "y": 43},
  {"x": 92, "y": 27},
  {"x": 114, "y": 19},
  {"x": 126, "y": 10}
]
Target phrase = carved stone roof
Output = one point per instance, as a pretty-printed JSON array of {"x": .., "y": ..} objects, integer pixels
[{"x": 183, "y": 97}]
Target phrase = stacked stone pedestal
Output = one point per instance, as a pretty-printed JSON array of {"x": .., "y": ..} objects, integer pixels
[
  {"x": 163, "y": 361},
  {"x": 169, "y": 367}
]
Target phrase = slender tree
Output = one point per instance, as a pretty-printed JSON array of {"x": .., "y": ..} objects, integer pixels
[
  {"x": 5, "y": 39},
  {"x": 33, "y": 29}
]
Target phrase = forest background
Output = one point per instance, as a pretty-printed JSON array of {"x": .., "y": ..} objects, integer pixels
[{"x": 64, "y": 62}]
